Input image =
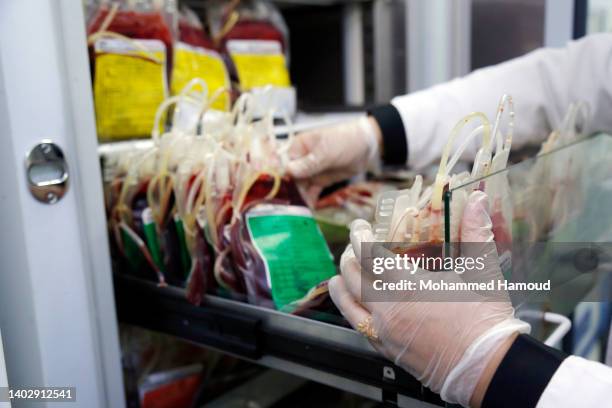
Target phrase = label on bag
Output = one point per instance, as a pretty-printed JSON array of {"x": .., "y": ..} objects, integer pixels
[
  {"x": 294, "y": 251},
  {"x": 259, "y": 63},
  {"x": 131, "y": 247},
  {"x": 129, "y": 85},
  {"x": 184, "y": 250},
  {"x": 150, "y": 233},
  {"x": 196, "y": 62}
]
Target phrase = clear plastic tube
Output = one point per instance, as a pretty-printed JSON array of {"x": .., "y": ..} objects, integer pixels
[
  {"x": 506, "y": 143},
  {"x": 142, "y": 51},
  {"x": 443, "y": 170}
]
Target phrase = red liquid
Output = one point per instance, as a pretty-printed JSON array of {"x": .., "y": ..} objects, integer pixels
[
  {"x": 433, "y": 251},
  {"x": 193, "y": 35},
  {"x": 136, "y": 25},
  {"x": 319, "y": 303},
  {"x": 288, "y": 191},
  {"x": 338, "y": 198},
  {"x": 245, "y": 258},
  {"x": 143, "y": 25},
  {"x": 254, "y": 30},
  {"x": 202, "y": 279}
]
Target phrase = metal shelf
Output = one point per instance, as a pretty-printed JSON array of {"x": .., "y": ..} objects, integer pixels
[
  {"x": 199, "y": 4},
  {"x": 322, "y": 352}
]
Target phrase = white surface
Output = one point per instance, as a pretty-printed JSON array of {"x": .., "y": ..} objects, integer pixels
[
  {"x": 578, "y": 383},
  {"x": 56, "y": 301}
]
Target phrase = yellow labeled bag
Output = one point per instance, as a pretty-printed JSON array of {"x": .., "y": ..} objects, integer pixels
[
  {"x": 129, "y": 85},
  {"x": 196, "y": 62},
  {"x": 259, "y": 63}
]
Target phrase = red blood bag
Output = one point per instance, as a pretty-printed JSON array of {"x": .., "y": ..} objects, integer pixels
[
  {"x": 246, "y": 260},
  {"x": 246, "y": 20},
  {"x": 147, "y": 22},
  {"x": 191, "y": 30}
]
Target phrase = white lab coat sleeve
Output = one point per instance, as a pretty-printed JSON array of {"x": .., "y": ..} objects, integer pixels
[
  {"x": 532, "y": 374},
  {"x": 578, "y": 383},
  {"x": 542, "y": 83}
]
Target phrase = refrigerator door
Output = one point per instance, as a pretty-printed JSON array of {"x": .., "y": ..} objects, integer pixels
[{"x": 57, "y": 312}]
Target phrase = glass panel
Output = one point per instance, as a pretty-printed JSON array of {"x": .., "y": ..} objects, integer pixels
[
  {"x": 599, "y": 18},
  {"x": 558, "y": 196},
  {"x": 546, "y": 212}
]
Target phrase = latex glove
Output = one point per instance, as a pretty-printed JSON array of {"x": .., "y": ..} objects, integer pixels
[
  {"x": 444, "y": 345},
  {"x": 327, "y": 155}
]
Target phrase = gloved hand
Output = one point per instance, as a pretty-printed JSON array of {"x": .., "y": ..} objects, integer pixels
[
  {"x": 325, "y": 156},
  {"x": 445, "y": 345}
]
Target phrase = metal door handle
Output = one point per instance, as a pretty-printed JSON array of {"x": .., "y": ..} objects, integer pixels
[{"x": 47, "y": 172}]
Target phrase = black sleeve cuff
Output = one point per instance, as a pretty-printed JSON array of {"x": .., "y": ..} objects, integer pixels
[
  {"x": 523, "y": 374},
  {"x": 395, "y": 143}
]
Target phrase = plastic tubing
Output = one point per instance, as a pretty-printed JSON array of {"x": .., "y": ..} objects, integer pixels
[
  {"x": 408, "y": 211},
  {"x": 457, "y": 155},
  {"x": 206, "y": 106},
  {"x": 109, "y": 17},
  {"x": 130, "y": 175},
  {"x": 499, "y": 143},
  {"x": 161, "y": 110},
  {"x": 208, "y": 192},
  {"x": 189, "y": 88},
  {"x": 443, "y": 170},
  {"x": 576, "y": 109},
  {"x": 142, "y": 51}
]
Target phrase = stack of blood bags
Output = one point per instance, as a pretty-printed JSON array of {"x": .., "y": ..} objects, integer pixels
[
  {"x": 415, "y": 219},
  {"x": 551, "y": 190},
  {"x": 178, "y": 211}
]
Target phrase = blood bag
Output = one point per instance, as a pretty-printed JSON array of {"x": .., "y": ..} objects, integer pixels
[
  {"x": 131, "y": 58},
  {"x": 196, "y": 57},
  {"x": 216, "y": 213},
  {"x": 253, "y": 39},
  {"x": 246, "y": 20},
  {"x": 145, "y": 20},
  {"x": 415, "y": 219},
  {"x": 553, "y": 195}
]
